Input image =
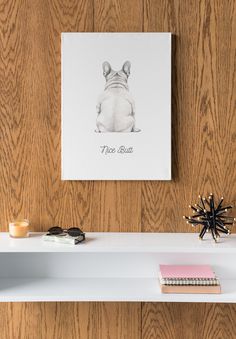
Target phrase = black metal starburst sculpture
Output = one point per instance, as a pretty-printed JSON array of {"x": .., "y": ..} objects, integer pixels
[{"x": 212, "y": 218}]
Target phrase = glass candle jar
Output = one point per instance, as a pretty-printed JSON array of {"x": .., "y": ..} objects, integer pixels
[{"x": 19, "y": 228}]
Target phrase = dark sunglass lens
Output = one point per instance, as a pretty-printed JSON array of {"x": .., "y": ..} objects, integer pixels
[
  {"x": 55, "y": 230},
  {"x": 74, "y": 231}
]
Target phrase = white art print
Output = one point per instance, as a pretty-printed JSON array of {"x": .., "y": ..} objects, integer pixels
[{"x": 116, "y": 106}]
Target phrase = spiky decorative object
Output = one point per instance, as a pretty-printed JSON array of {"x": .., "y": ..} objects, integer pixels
[{"x": 211, "y": 218}]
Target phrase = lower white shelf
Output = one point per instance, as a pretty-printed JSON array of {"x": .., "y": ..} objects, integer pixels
[{"x": 103, "y": 289}]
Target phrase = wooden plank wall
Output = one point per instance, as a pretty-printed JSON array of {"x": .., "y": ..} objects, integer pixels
[{"x": 204, "y": 148}]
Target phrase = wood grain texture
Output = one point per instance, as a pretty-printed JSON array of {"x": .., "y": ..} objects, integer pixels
[
  {"x": 192, "y": 321},
  {"x": 203, "y": 106},
  {"x": 116, "y": 206},
  {"x": 30, "y": 153},
  {"x": 53, "y": 320},
  {"x": 203, "y": 157},
  {"x": 203, "y": 132}
]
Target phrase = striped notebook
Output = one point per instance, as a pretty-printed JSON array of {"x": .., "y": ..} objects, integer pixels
[{"x": 188, "y": 279}]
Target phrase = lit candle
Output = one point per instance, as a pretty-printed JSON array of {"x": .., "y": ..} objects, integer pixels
[{"x": 19, "y": 229}]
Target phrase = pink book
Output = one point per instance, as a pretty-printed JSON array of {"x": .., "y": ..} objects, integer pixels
[{"x": 186, "y": 271}]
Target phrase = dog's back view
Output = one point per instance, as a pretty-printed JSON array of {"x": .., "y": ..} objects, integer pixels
[{"x": 115, "y": 108}]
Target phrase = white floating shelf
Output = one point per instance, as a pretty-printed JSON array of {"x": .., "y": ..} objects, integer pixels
[
  {"x": 110, "y": 267},
  {"x": 123, "y": 242}
]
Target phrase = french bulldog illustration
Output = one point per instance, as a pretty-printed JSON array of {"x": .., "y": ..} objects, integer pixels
[{"x": 115, "y": 107}]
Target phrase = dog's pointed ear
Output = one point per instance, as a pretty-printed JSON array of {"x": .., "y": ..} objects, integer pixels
[
  {"x": 126, "y": 68},
  {"x": 106, "y": 68}
]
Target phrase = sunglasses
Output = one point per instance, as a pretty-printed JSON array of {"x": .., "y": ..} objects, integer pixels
[{"x": 73, "y": 232}]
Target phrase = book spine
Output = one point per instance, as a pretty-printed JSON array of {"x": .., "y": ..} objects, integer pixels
[
  {"x": 61, "y": 240},
  {"x": 191, "y": 289},
  {"x": 189, "y": 281}
]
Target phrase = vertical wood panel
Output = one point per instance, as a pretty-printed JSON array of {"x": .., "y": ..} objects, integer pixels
[
  {"x": 30, "y": 150},
  {"x": 203, "y": 132},
  {"x": 192, "y": 321},
  {"x": 116, "y": 206},
  {"x": 52, "y": 320}
]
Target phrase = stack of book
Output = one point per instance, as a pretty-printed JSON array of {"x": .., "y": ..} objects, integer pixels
[{"x": 188, "y": 279}]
